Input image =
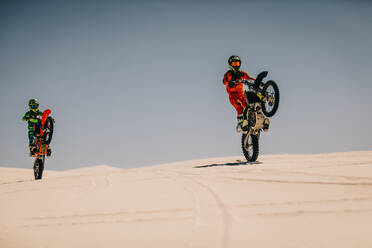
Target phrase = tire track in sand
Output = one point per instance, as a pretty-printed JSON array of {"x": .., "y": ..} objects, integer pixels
[{"x": 212, "y": 220}]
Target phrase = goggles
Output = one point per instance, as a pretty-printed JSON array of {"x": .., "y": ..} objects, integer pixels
[
  {"x": 34, "y": 106},
  {"x": 235, "y": 63}
]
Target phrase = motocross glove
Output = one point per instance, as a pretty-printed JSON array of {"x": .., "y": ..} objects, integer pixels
[{"x": 232, "y": 84}]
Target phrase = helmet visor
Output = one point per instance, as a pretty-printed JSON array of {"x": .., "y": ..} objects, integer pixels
[{"x": 235, "y": 63}]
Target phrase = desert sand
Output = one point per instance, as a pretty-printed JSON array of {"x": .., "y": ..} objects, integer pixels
[{"x": 322, "y": 200}]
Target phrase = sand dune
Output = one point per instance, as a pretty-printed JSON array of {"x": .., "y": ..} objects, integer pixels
[{"x": 322, "y": 200}]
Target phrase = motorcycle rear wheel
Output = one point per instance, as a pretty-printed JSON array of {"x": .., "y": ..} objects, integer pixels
[
  {"x": 38, "y": 168},
  {"x": 250, "y": 147},
  {"x": 271, "y": 91}
]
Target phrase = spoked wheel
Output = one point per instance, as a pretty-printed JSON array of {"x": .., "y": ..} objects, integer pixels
[
  {"x": 271, "y": 92},
  {"x": 38, "y": 168},
  {"x": 250, "y": 147},
  {"x": 49, "y": 126}
]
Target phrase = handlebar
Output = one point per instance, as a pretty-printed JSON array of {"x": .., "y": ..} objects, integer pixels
[
  {"x": 250, "y": 83},
  {"x": 253, "y": 85}
]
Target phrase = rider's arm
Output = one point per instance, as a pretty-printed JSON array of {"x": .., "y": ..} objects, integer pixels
[
  {"x": 32, "y": 118},
  {"x": 26, "y": 116},
  {"x": 36, "y": 119},
  {"x": 226, "y": 78},
  {"x": 247, "y": 77}
]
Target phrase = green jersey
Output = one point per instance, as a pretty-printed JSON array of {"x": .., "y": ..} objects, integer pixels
[{"x": 32, "y": 118}]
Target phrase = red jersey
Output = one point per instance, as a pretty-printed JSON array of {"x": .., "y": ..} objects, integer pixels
[{"x": 236, "y": 76}]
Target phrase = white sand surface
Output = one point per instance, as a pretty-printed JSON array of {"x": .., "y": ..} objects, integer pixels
[{"x": 322, "y": 200}]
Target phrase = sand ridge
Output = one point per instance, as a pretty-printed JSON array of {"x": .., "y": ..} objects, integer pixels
[{"x": 317, "y": 200}]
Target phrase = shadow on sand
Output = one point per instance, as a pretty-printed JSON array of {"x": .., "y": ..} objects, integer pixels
[{"x": 238, "y": 163}]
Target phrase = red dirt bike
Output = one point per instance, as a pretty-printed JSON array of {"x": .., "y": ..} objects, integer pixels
[{"x": 41, "y": 143}]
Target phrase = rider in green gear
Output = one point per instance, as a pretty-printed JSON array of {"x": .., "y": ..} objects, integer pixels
[{"x": 33, "y": 117}]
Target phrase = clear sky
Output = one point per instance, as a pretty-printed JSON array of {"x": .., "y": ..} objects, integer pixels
[{"x": 134, "y": 83}]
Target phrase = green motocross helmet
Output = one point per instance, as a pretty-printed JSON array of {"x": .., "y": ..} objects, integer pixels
[{"x": 33, "y": 104}]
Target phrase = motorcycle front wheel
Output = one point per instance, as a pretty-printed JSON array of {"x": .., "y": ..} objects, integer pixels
[
  {"x": 49, "y": 127},
  {"x": 271, "y": 92},
  {"x": 250, "y": 147}
]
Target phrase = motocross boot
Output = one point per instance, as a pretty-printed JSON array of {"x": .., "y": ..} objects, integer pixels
[
  {"x": 32, "y": 150},
  {"x": 49, "y": 151},
  {"x": 240, "y": 123},
  {"x": 266, "y": 125}
]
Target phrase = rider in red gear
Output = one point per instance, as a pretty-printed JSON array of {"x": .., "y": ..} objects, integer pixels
[{"x": 234, "y": 88}]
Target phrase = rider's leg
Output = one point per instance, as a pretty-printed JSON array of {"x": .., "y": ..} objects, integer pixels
[
  {"x": 241, "y": 101},
  {"x": 238, "y": 101},
  {"x": 239, "y": 105},
  {"x": 31, "y": 137},
  {"x": 31, "y": 144}
]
